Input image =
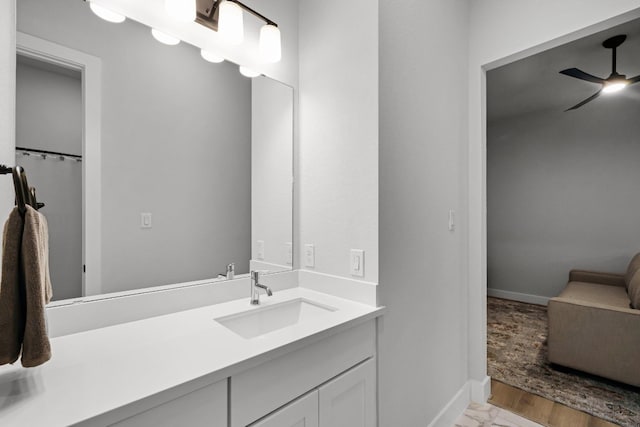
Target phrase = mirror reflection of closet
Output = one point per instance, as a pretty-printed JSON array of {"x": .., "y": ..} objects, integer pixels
[{"x": 49, "y": 148}]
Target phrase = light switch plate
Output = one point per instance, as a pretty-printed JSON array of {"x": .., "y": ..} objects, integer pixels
[
  {"x": 356, "y": 262},
  {"x": 145, "y": 220},
  {"x": 260, "y": 249},
  {"x": 452, "y": 220},
  {"x": 309, "y": 256},
  {"x": 289, "y": 252}
]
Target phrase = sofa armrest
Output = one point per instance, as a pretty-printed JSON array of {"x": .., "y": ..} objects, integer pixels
[
  {"x": 596, "y": 277},
  {"x": 595, "y": 338}
]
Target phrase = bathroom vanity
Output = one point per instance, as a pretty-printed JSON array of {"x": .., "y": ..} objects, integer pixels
[
  {"x": 300, "y": 355},
  {"x": 127, "y": 351}
]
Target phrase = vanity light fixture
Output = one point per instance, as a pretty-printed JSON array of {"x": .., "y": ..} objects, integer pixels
[
  {"x": 270, "y": 46},
  {"x": 248, "y": 72},
  {"x": 164, "y": 37},
  {"x": 226, "y": 17},
  {"x": 230, "y": 22},
  {"x": 207, "y": 55},
  {"x": 223, "y": 16},
  {"x": 182, "y": 10},
  {"x": 106, "y": 14}
]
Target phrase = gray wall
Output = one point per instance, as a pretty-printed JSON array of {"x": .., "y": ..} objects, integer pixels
[
  {"x": 7, "y": 100},
  {"x": 563, "y": 192},
  {"x": 423, "y": 131},
  {"x": 175, "y": 142},
  {"x": 338, "y": 155},
  {"x": 48, "y": 117}
]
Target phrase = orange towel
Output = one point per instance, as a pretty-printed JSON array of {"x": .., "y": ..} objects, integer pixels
[
  {"x": 12, "y": 310},
  {"x": 35, "y": 259}
]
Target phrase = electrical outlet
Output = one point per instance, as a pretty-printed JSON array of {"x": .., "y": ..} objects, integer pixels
[
  {"x": 356, "y": 262},
  {"x": 309, "y": 256},
  {"x": 260, "y": 249},
  {"x": 289, "y": 253},
  {"x": 145, "y": 220}
]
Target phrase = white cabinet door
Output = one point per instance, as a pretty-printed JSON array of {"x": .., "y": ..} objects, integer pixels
[
  {"x": 265, "y": 388},
  {"x": 204, "y": 407},
  {"x": 302, "y": 412},
  {"x": 350, "y": 399}
]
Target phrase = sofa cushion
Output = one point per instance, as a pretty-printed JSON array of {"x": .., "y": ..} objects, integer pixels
[
  {"x": 634, "y": 290},
  {"x": 615, "y": 296},
  {"x": 634, "y": 265}
]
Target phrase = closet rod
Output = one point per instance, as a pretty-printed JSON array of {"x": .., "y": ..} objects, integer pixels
[{"x": 53, "y": 153}]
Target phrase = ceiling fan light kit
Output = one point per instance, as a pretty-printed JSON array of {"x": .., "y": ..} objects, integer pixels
[{"x": 614, "y": 83}]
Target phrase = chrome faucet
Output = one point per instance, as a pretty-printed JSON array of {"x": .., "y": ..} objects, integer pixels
[
  {"x": 231, "y": 271},
  {"x": 255, "y": 284}
]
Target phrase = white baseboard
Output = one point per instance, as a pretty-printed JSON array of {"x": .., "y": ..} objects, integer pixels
[
  {"x": 517, "y": 296},
  {"x": 481, "y": 390},
  {"x": 452, "y": 410}
]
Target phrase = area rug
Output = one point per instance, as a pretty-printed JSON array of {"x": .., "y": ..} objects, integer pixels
[{"x": 517, "y": 356}]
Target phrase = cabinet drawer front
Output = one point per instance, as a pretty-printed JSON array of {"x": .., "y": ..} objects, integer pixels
[
  {"x": 263, "y": 389},
  {"x": 204, "y": 407}
]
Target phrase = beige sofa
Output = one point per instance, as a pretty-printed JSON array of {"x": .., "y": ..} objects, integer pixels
[{"x": 594, "y": 324}]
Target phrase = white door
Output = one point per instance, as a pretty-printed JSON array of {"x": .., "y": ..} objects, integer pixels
[
  {"x": 302, "y": 412},
  {"x": 350, "y": 399}
]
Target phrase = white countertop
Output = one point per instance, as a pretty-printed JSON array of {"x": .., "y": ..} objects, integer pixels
[{"x": 98, "y": 371}]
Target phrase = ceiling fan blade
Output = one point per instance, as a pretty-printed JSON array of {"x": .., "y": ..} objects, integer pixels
[
  {"x": 579, "y": 74},
  {"x": 589, "y": 99},
  {"x": 633, "y": 80}
]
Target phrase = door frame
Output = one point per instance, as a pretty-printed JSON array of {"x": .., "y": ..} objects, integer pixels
[
  {"x": 90, "y": 68},
  {"x": 477, "y": 196}
]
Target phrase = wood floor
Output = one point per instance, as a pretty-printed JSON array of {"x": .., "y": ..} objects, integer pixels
[{"x": 541, "y": 410}]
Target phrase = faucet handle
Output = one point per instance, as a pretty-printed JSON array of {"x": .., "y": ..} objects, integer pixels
[{"x": 255, "y": 275}]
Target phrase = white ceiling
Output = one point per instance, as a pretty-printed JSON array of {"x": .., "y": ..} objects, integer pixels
[{"x": 534, "y": 84}]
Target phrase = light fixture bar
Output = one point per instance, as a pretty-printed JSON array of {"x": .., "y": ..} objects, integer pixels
[
  {"x": 208, "y": 10},
  {"x": 254, "y": 13}
]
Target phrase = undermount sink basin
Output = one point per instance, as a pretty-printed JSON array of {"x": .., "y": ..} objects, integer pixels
[{"x": 263, "y": 320}]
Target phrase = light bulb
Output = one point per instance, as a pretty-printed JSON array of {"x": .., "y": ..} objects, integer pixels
[
  {"x": 164, "y": 37},
  {"x": 182, "y": 10},
  {"x": 207, "y": 55},
  {"x": 270, "y": 49},
  {"x": 248, "y": 72},
  {"x": 230, "y": 26},
  {"x": 614, "y": 86},
  {"x": 106, "y": 14}
]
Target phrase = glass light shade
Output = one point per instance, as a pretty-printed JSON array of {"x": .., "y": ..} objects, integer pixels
[
  {"x": 106, "y": 14},
  {"x": 614, "y": 86},
  {"x": 230, "y": 26},
  {"x": 248, "y": 72},
  {"x": 182, "y": 10},
  {"x": 269, "y": 47},
  {"x": 207, "y": 55},
  {"x": 164, "y": 37}
]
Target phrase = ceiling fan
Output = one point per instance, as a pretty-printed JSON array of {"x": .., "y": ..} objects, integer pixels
[{"x": 614, "y": 83}]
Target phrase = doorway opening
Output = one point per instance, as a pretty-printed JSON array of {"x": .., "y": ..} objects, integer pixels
[
  {"x": 49, "y": 147},
  {"x": 552, "y": 178},
  {"x": 59, "y": 134}
]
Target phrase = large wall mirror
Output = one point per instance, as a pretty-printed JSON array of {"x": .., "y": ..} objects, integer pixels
[{"x": 195, "y": 160}]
